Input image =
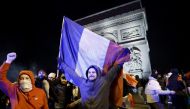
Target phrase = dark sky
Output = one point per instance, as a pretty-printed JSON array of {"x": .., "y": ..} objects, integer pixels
[{"x": 32, "y": 29}]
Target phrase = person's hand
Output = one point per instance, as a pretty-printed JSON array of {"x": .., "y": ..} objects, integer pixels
[
  {"x": 122, "y": 60},
  {"x": 11, "y": 57},
  {"x": 123, "y": 57},
  {"x": 172, "y": 92}
]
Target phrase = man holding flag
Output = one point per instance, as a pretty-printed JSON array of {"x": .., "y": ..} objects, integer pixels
[{"x": 90, "y": 62}]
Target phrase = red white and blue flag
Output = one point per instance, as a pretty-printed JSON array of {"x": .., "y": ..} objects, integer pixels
[{"x": 80, "y": 48}]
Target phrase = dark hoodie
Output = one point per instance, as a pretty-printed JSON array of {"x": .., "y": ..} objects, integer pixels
[
  {"x": 179, "y": 98},
  {"x": 94, "y": 94},
  {"x": 173, "y": 83},
  {"x": 34, "y": 99}
]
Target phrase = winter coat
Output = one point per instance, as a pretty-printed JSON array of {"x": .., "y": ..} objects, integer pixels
[
  {"x": 153, "y": 89},
  {"x": 34, "y": 99},
  {"x": 94, "y": 94}
]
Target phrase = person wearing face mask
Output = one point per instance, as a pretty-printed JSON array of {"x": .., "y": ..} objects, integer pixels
[{"x": 24, "y": 94}]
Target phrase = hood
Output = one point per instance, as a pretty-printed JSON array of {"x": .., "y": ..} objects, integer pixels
[
  {"x": 98, "y": 70},
  {"x": 51, "y": 75},
  {"x": 29, "y": 73}
]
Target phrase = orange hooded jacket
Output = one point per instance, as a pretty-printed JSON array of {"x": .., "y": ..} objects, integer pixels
[{"x": 34, "y": 99}]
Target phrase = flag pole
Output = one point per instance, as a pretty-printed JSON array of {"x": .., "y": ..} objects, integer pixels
[{"x": 60, "y": 48}]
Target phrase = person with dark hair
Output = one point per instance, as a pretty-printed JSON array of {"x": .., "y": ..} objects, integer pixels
[
  {"x": 95, "y": 89},
  {"x": 175, "y": 82},
  {"x": 140, "y": 90},
  {"x": 60, "y": 92},
  {"x": 153, "y": 90},
  {"x": 42, "y": 81},
  {"x": 24, "y": 94}
]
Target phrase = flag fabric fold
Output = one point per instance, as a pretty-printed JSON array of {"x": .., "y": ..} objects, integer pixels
[{"x": 80, "y": 48}]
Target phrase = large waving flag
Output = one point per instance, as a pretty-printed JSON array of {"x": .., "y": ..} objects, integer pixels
[{"x": 80, "y": 48}]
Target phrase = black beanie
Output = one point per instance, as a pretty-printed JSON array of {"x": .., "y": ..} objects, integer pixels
[{"x": 174, "y": 71}]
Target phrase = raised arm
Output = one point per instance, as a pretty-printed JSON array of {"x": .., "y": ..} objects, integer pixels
[
  {"x": 165, "y": 92},
  {"x": 71, "y": 73},
  {"x": 5, "y": 85},
  {"x": 118, "y": 65},
  {"x": 153, "y": 87},
  {"x": 116, "y": 69}
]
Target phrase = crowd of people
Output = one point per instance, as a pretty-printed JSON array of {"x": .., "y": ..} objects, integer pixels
[
  {"x": 42, "y": 91},
  {"x": 53, "y": 91},
  {"x": 165, "y": 90}
]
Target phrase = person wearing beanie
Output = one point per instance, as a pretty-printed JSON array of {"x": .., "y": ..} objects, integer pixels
[
  {"x": 153, "y": 90},
  {"x": 95, "y": 89},
  {"x": 51, "y": 76},
  {"x": 24, "y": 94}
]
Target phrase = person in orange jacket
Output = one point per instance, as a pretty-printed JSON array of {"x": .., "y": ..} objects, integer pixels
[{"x": 23, "y": 94}]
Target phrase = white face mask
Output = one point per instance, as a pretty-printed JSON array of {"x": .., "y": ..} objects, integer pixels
[{"x": 25, "y": 83}]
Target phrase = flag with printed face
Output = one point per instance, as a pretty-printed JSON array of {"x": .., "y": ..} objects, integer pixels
[{"x": 80, "y": 48}]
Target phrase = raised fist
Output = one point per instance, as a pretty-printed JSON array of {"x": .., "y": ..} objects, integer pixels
[
  {"x": 11, "y": 57},
  {"x": 123, "y": 57}
]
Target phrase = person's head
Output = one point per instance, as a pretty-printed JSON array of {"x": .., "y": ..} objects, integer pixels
[
  {"x": 26, "y": 80},
  {"x": 63, "y": 79},
  {"x": 92, "y": 72},
  {"x": 137, "y": 77},
  {"x": 154, "y": 74},
  {"x": 179, "y": 77},
  {"x": 174, "y": 71},
  {"x": 159, "y": 76},
  {"x": 51, "y": 76},
  {"x": 41, "y": 74}
]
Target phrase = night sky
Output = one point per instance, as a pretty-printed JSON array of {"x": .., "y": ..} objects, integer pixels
[{"x": 32, "y": 30}]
